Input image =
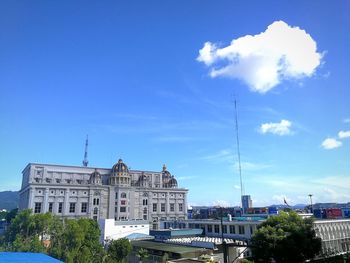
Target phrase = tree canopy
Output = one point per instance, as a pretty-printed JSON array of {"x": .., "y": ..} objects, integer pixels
[
  {"x": 285, "y": 238},
  {"x": 119, "y": 249}
]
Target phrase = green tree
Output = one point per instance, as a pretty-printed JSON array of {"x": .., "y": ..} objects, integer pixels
[
  {"x": 77, "y": 241},
  {"x": 26, "y": 232},
  {"x": 142, "y": 253},
  {"x": 69, "y": 240},
  {"x": 119, "y": 249},
  {"x": 285, "y": 238},
  {"x": 10, "y": 215}
]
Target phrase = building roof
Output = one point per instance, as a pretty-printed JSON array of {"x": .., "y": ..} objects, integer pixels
[
  {"x": 25, "y": 257},
  {"x": 138, "y": 236},
  {"x": 166, "y": 247}
]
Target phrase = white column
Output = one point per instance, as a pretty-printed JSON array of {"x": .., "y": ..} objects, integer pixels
[
  {"x": 65, "y": 202},
  {"x": 46, "y": 198},
  {"x": 31, "y": 198}
]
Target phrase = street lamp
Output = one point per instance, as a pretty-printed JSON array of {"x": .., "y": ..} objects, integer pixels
[{"x": 312, "y": 210}]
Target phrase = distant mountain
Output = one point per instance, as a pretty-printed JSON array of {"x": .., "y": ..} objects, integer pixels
[
  {"x": 9, "y": 200},
  {"x": 297, "y": 206}
]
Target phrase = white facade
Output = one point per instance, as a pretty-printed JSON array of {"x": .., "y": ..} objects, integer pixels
[
  {"x": 235, "y": 229},
  {"x": 111, "y": 229},
  {"x": 100, "y": 193},
  {"x": 335, "y": 235}
]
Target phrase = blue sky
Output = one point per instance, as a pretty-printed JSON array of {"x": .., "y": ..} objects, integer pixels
[{"x": 131, "y": 76}]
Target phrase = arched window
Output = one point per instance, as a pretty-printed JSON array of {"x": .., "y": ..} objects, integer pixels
[{"x": 123, "y": 195}]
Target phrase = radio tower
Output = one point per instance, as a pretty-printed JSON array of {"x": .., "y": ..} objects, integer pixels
[
  {"x": 239, "y": 154},
  {"x": 85, "y": 161}
]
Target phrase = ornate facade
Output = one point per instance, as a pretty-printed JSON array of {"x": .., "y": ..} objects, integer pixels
[{"x": 118, "y": 193}]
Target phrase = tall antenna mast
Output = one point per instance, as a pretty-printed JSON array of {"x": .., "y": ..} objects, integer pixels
[
  {"x": 85, "y": 161},
  {"x": 238, "y": 153}
]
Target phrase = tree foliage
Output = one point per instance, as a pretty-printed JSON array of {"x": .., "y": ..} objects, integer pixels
[
  {"x": 69, "y": 240},
  {"x": 119, "y": 249},
  {"x": 285, "y": 238},
  {"x": 142, "y": 253}
]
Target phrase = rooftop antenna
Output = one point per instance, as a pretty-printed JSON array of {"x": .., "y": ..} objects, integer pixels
[
  {"x": 238, "y": 152},
  {"x": 85, "y": 161}
]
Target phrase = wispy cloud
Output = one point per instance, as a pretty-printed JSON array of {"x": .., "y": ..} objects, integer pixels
[
  {"x": 227, "y": 156},
  {"x": 262, "y": 61},
  {"x": 346, "y": 120},
  {"x": 331, "y": 143},
  {"x": 279, "y": 128},
  {"x": 344, "y": 134}
]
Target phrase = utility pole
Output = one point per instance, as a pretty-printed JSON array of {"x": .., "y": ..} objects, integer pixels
[
  {"x": 85, "y": 161},
  {"x": 312, "y": 210},
  {"x": 224, "y": 248}
]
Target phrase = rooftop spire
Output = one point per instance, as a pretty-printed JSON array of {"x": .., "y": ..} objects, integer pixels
[{"x": 85, "y": 161}]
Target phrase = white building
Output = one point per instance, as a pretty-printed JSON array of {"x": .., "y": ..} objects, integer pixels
[
  {"x": 111, "y": 229},
  {"x": 103, "y": 193},
  {"x": 335, "y": 235}
]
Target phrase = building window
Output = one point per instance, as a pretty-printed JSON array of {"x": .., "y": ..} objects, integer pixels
[
  {"x": 180, "y": 207},
  {"x": 241, "y": 230},
  {"x": 83, "y": 207},
  {"x": 210, "y": 228},
  {"x": 60, "y": 208},
  {"x": 123, "y": 209},
  {"x": 232, "y": 230},
  {"x": 95, "y": 218},
  {"x": 224, "y": 229},
  {"x": 145, "y": 210},
  {"x": 144, "y": 217},
  {"x": 162, "y": 207},
  {"x": 58, "y": 181},
  {"x": 71, "y": 207},
  {"x": 96, "y": 201},
  {"x": 50, "y": 207},
  {"x": 154, "y": 207},
  {"x": 172, "y": 207},
  {"x": 95, "y": 211},
  {"x": 123, "y": 195},
  {"x": 37, "y": 208},
  {"x": 144, "y": 201},
  {"x": 216, "y": 229},
  {"x": 52, "y": 192},
  {"x": 123, "y": 202},
  {"x": 116, "y": 195},
  {"x": 116, "y": 209}
]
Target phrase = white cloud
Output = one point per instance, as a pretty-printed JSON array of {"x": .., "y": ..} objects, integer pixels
[
  {"x": 278, "y": 128},
  {"x": 347, "y": 120},
  {"x": 221, "y": 203},
  {"x": 262, "y": 61},
  {"x": 344, "y": 134},
  {"x": 331, "y": 143}
]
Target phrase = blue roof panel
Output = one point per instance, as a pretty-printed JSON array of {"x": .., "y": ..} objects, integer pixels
[{"x": 26, "y": 257}]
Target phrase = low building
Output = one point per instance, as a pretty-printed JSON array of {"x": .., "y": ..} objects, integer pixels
[
  {"x": 335, "y": 235},
  {"x": 111, "y": 229},
  {"x": 163, "y": 252},
  {"x": 238, "y": 228}
]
